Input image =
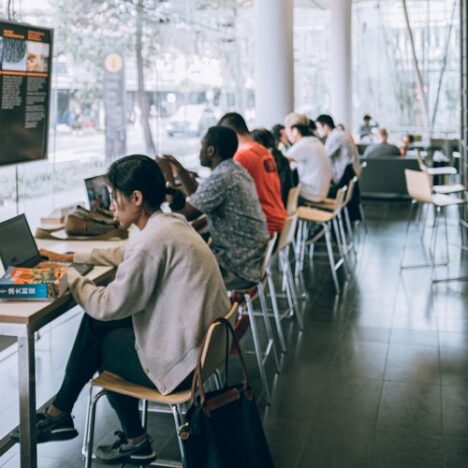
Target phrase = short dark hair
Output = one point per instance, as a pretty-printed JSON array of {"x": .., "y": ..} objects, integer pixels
[
  {"x": 276, "y": 131},
  {"x": 312, "y": 125},
  {"x": 367, "y": 117},
  {"x": 326, "y": 119},
  {"x": 235, "y": 122},
  {"x": 138, "y": 173},
  {"x": 263, "y": 137},
  {"x": 304, "y": 130},
  {"x": 223, "y": 139}
]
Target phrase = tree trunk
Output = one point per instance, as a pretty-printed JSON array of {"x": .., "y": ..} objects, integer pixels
[
  {"x": 142, "y": 97},
  {"x": 423, "y": 100}
]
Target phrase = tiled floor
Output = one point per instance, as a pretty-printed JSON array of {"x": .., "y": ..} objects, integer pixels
[{"x": 378, "y": 378}]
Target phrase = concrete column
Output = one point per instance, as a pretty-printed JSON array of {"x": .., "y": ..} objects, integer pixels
[
  {"x": 340, "y": 61},
  {"x": 274, "y": 61}
]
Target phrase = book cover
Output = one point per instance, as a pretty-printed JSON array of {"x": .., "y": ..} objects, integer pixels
[{"x": 33, "y": 283}]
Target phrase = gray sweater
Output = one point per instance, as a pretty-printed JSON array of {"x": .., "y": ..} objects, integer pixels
[{"x": 168, "y": 280}]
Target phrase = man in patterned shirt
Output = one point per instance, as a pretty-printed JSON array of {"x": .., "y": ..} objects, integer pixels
[{"x": 229, "y": 199}]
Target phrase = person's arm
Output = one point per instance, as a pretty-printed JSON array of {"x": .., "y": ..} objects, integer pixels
[
  {"x": 107, "y": 257},
  {"x": 332, "y": 146},
  {"x": 129, "y": 293},
  {"x": 188, "y": 182}
]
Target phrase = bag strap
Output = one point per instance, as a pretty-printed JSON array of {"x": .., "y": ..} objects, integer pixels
[
  {"x": 197, "y": 382},
  {"x": 49, "y": 234}
]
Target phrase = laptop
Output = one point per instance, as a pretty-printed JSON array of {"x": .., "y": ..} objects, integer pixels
[
  {"x": 98, "y": 192},
  {"x": 18, "y": 247}
]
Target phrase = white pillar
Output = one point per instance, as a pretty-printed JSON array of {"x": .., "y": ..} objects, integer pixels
[
  {"x": 274, "y": 61},
  {"x": 340, "y": 55}
]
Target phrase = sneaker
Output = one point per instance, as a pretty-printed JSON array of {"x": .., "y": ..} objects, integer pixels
[
  {"x": 52, "y": 428},
  {"x": 121, "y": 451}
]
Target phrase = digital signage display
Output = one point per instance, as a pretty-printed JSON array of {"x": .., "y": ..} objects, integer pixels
[{"x": 25, "y": 83}]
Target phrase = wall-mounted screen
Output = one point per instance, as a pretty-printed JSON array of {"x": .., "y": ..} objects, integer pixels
[{"x": 25, "y": 79}]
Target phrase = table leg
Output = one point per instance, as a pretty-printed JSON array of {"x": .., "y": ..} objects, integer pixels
[{"x": 27, "y": 391}]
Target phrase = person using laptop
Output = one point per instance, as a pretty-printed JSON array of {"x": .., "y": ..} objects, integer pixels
[{"x": 143, "y": 326}]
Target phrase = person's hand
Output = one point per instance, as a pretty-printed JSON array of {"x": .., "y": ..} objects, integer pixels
[{"x": 56, "y": 257}]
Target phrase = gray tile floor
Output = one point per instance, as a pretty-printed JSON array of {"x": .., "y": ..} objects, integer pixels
[{"x": 378, "y": 378}]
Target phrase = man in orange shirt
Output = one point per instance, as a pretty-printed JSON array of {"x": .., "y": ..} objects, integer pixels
[{"x": 260, "y": 164}]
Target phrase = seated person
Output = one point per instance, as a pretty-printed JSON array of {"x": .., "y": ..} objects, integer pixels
[
  {"x": 288, "y": 177},
  {"x": 406, "y": 143},
  {"x": 382, "y": 149},
  {"x": 143, "y": 326},
  {"x": 309, "y": 156},
  {"x": 229, "y": 200},
  {"x": 281, "y": 140},
  {"x": 260, "y": 164}
]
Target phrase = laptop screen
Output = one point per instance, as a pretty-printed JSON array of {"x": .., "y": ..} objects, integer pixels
[
  {"x": 17, "y": 244},
  {"x": 98, "y": 192}
]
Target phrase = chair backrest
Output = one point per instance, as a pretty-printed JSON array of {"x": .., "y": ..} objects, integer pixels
[
  {"x": 268, "y": 253},
  {"x": 288, "y": 233},
  {"x": 340, "y": 196},
  {"x": 293, "y": 199},
  {"x": 350, "y": 191},
  {"x": 418, "y": 184},
  {"x": 214, "y": 348}
]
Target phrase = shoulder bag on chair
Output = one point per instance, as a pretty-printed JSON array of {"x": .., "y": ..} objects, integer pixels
[{"x": 223, "y": 427}]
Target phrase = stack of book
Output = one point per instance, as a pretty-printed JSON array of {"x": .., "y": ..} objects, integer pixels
[{"x": 33, "y": 283}]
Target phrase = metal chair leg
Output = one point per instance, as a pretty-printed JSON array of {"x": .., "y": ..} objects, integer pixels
[
  {"x": 266, "y": 319},
  {"x": 84, "y": 445},
  {"x": 92, "y": 420},
  {"x": 258, "y": 349},
  {"x": 292, "y": 288},
  {"x": 276, "y": 313},
  {"x": 331, "y": 257},
  {"x": 178, "y": 423}
]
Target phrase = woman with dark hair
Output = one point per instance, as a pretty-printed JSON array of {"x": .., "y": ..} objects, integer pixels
[
  {"x": 281, "y": 140},
  {"x": 138, "y": 326},
  {"x": 288, "y": 177}
]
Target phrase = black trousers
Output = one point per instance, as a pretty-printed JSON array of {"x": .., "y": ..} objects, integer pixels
[{"x": 105, "y": 346}]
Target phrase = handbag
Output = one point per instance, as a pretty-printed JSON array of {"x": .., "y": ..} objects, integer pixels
[
  {"x": 83, "y": 224},
  {"x": 223, "y": 427}
]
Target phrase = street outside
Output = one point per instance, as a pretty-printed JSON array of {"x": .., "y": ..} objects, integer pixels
[{"x": 88, "y": 144}]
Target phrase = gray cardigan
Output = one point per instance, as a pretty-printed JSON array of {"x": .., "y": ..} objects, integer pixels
[{"x": 169, "y": 282}]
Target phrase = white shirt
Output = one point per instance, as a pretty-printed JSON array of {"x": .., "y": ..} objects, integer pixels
[{"x": 313, "y": 166}]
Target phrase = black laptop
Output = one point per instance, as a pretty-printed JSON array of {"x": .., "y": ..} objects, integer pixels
[{"x": 18, "y": 247}]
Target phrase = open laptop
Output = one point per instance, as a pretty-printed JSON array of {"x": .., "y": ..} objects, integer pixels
[
  {"x": 98, "y": 192},
  {"x": 18, "y": 247}
]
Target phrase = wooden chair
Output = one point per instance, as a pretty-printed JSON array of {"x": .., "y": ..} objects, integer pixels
[
  {"x": 419, "y": 187},
  {"x": 248, "y": 295},
  {"x": 212, "y": 356},
  {"x": 326, "y": 219}
]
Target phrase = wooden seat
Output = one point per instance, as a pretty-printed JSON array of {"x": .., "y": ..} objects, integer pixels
[
  {"x": 314, "y": 215},
  {"x": 114, "y": 383}
]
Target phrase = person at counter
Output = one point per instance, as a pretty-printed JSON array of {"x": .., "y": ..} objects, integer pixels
[
  {"x": 229, "y": 199},
  {"x": 139, "y": 326}
]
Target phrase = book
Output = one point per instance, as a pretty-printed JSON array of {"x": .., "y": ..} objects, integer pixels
[{"x": 33, "y": 283}]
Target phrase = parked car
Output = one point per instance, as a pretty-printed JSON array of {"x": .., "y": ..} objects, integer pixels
[{"x": 191, "y": 120}]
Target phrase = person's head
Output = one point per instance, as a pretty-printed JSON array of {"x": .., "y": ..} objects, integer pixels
[
  {"x": 383, "y": 135},
  {"x": 279, "y": 134},
  {"x": 264, "y": 137},
  {"x": 367, "y": 118},
  {"x": 297, "y": 126},
  {"x": 138, "y": 188},
  {"x": 407, "y": 139},
  {"x": 218, "y": 144},
  {"x": 341, "y": 127},
  {"x": 235, "y": 122},
  {"x": 325, "y": 125},
  {"x": 312, "y": 126}
]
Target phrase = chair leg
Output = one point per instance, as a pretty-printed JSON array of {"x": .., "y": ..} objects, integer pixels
[
  {"x": 84, "y": 445},
  {"x": 363, "y": 217},
  {"x": 349, "y": 227},
  {"x": 344, "y": 240},
  {"x": 258, "y": 349},
  {"x": 331, "y": 257},
  {"x": 276, "y": 313},
  {"x": 144, "y": 414},
  {"x": 92, "y": 420},
  {"x": 341, "y": 248},
  {"x": 176, "y": 413},
  {"x": 266, "y": 319},
  {"x": 292, "y": 288}
]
